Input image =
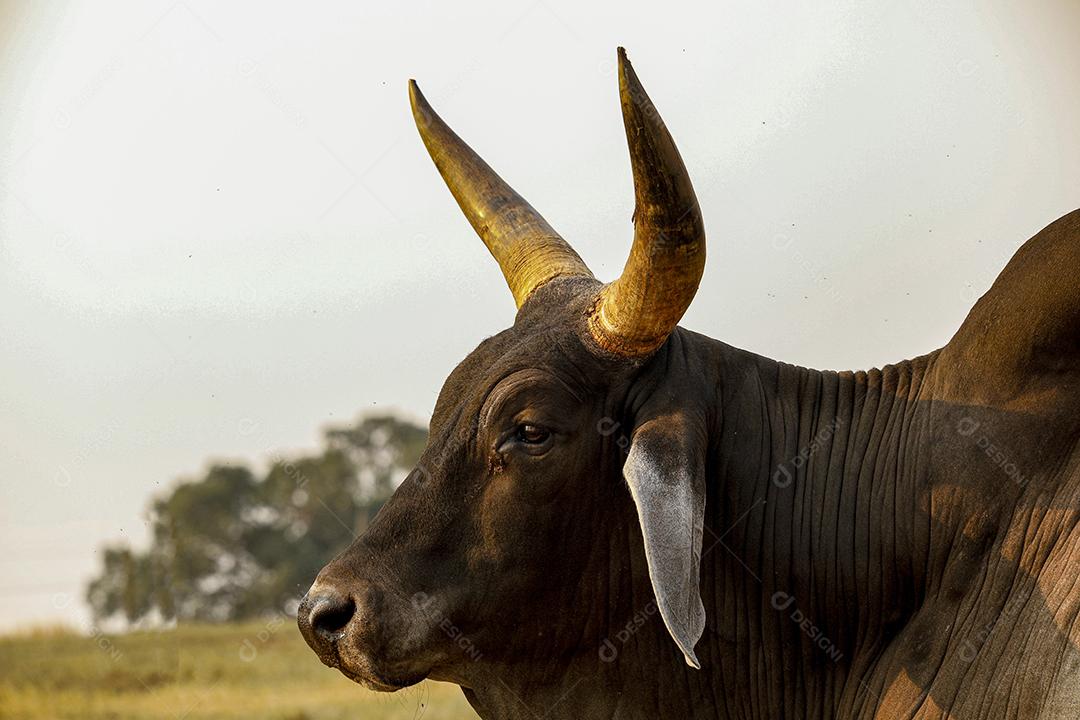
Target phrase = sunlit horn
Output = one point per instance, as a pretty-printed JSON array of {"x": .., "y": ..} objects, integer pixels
[
  {"x": 527, "y": 249},
  {"x": 634, "y": 315}
]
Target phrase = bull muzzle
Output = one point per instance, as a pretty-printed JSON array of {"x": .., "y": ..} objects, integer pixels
[{"x": 365, "y": 633}]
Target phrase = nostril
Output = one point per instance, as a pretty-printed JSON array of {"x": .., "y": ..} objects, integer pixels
[{"x": 330, "y": 614}]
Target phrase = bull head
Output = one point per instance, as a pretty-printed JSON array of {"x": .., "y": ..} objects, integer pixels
[{"x": 520, "y": 494}]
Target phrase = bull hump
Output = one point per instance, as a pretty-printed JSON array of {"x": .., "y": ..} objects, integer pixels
[{"x": 1030, "y": 317}]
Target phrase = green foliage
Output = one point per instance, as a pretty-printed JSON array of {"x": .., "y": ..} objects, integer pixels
[
  {"x": 122, "y": 588},
  {"x": 378, "y": 445},
  {"x": 231, "y": 545}
]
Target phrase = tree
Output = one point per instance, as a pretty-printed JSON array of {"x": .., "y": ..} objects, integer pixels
[
  {"x": 384, "y": 448},
  {"x": 123, "y": 588},
  {"x": 230, "y": 545}
]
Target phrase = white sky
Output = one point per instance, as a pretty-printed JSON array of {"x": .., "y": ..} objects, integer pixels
[{"x": 219, "y": 230}]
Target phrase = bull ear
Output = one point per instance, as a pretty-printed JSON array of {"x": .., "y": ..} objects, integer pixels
[{"x": 666, "y": 474}]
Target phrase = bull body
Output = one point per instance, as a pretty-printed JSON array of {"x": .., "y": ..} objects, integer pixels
[{"x": 606, "y": 526}]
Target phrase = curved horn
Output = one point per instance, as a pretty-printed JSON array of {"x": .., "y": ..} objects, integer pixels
[
  {"x": 633, "y": 315},
  {"x": 527, "y": 249}
]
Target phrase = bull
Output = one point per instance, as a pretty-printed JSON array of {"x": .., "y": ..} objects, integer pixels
[{"x": 615, "y": 517}]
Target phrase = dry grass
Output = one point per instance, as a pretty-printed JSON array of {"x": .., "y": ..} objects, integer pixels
[
  {"x": 258, "y": 670},
  {"x": 42, "y": 631}
]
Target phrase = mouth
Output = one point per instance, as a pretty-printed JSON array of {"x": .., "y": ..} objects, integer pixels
[
  {"x": 362, "y": 671},
  {"x": 380, "y": 682}
]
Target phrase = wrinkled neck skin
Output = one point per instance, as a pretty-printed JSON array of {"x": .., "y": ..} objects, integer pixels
[{"x": 816, "y": 545}]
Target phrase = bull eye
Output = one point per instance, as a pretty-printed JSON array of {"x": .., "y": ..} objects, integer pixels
[{"x": 532, "y": 434}]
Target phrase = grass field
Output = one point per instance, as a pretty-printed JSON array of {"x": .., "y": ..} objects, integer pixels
[{"x": 259, "y": 670}]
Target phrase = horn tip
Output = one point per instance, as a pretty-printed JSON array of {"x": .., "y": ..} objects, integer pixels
[
  {"x": 421, "y": 110},
  {"x": 629, "y": 85}
]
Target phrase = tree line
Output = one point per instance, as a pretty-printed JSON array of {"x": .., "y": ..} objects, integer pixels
[{"x": 232, "y": 544}]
